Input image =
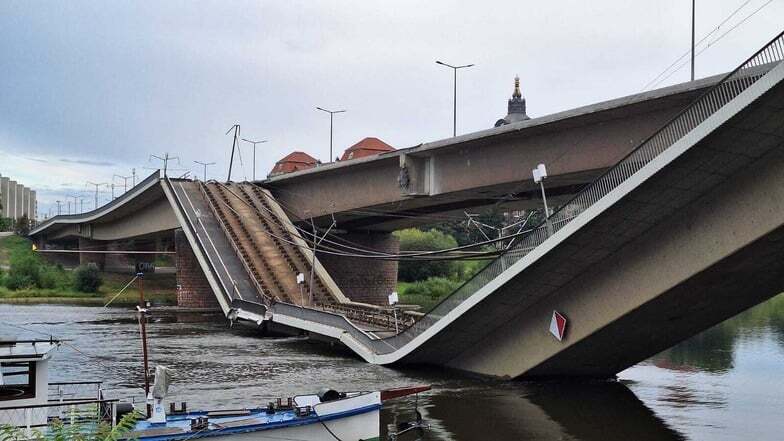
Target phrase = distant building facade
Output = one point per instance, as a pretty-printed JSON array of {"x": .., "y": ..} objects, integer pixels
[
  {"x": 294, "y": 161},
  {"x": 515, "y": 108},
  {"x": 17, "y": 200},
  {"x": 367, "y": 147}
]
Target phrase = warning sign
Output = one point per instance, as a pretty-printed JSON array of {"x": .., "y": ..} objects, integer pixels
[{"x": 558, "y": 325}]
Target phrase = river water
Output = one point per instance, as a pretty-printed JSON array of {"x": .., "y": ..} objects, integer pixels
[{"x": 724, "y": 384}]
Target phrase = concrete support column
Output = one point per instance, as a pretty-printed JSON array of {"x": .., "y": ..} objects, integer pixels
[
  {"x": 120, "y": 263},
  {"x": 193, "y": 290},
  {"x": 86, "y": 257},
  {"x": 365, "y": 280}
]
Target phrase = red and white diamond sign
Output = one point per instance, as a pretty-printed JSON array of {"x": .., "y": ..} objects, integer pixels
[{"x": 558, "y": 325}]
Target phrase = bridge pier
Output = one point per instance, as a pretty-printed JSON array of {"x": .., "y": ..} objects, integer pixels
[
  {"x": 365, "y": 280},
  {"x": 86, "y": 258},
  {"x": 193, "y": 290}
]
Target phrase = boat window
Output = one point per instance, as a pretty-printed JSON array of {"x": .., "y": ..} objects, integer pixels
[{"x": 18, "y": 380}]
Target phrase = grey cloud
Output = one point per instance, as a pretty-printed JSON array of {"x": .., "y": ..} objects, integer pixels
[{"x": 86, "y": 162}]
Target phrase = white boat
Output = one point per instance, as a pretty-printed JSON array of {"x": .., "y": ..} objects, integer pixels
[{"x": 25, "y": 402}]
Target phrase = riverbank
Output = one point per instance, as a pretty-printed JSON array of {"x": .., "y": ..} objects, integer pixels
[{"x": 159, "y": 288}]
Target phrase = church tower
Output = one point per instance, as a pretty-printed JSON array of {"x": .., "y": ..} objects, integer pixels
[{"x": 515, "y": 108}]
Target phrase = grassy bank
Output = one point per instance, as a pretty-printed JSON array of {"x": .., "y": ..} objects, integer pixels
[
  {"x": 12, "y": 244},
  {"x": 160, "y": 289},
  {"x": 47, "y": 283}
]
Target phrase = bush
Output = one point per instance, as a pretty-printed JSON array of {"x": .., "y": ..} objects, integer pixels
[
  {"x": 412, "y": 239},
  {"x": 22, "y": 227},
  {"x": 25, "y": 271},
  {"x": 6, "y": 224},
  {"x": 51, "y": 277},
  {"x": 434, "y": 287},
  {"x": 87, "y": 278}
]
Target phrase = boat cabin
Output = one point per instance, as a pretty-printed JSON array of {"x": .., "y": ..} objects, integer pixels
[{"x": 24, "y": 374}]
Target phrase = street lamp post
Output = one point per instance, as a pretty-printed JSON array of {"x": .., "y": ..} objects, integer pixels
[
  {"x": 125, "y": 181},
  {"x": 205, "y": 164},
  {"x": 96, "y": 191},
  {"x": 693, "y": 6},
  {"x": 454, "y": 99},
  {"x": 540, "y": 173},
  {"x": 165, "y": 159},
  {"x": 254, "y": 153},
  {"x": 331, "y": 114}
]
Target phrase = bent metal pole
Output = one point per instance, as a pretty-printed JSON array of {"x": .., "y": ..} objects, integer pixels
[{"x": 142, "y": 311}]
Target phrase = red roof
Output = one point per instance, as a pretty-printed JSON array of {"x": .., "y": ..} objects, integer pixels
[
  {"x": 367, "y": 147},
  {"x": 292, "y": 162}
]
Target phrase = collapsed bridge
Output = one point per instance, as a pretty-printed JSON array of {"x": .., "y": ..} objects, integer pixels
[{"x": 675, "y": 232}]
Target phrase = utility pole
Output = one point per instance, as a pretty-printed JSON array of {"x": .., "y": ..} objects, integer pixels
[
  {"x": 96, "y": 191},
  {"x": 125, "y": 182},
  {"x": 454, "y": 98},
  {"x": 331, "y": 114},
  {"x": 166, "y": 158},
  {"x": 254, "y": 153},
  {"x": 236, "y": 128},
  {"x": 133, "y": 173},
  {"x": 693, "y": 5},
  {"x": 205, "y": 164},
  {"x": 74, "y": 201}
]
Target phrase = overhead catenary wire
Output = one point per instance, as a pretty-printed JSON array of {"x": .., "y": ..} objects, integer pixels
[
  {"x": 709, "y": 44},
  {"x": 385, "y": 256},
  {"x": 653, "y": 82},
  {"x": 418, "y": 255},
  {"x": 378, "y": 253},
  {"x": 356, "y": 246}
]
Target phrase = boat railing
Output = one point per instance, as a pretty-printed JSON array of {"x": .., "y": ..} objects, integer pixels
[
  {"x": 88, "y": 414},
  {"x": 63, "y": 391}
]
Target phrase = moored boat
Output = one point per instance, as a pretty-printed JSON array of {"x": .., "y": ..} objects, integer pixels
[{"x": 26, "y": 403}]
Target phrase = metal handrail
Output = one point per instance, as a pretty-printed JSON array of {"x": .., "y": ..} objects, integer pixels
[{"x": 732, "y": 85}]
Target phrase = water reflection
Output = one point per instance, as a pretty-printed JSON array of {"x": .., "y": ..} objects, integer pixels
[
  {"x": 722, "y": 384},
  {"x": 714, "y": 350},
  {"x": 554, "y": 411}
]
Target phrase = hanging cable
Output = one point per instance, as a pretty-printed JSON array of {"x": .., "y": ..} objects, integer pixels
[
  {"x": 716, "y": 40},
  {"x": 386, "y": 256}
]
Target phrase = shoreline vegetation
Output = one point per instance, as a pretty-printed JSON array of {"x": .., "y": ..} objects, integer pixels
[
  {"x": 26, "y": 277},
  {"x": 39, "y": 282}
]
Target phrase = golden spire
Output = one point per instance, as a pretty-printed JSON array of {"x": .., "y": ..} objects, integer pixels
[{"x": 517, "y": 93}]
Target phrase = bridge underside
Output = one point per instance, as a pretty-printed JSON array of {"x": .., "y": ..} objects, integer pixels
[{"x": 693, "y": 245}]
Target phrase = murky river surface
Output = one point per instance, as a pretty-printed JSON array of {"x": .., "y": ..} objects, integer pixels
[{"x": 725, "y": 384}]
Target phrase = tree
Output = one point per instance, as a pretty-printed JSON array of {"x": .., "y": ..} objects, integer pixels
[
  {"x": 413, "y": 239},
  {"x": 22, "y": 226}
]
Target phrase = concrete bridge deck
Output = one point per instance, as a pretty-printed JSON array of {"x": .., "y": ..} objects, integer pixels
[{"x": 683, "y": 232}]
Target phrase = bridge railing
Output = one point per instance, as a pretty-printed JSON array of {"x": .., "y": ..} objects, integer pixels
[{"x": 732, "y": 85}]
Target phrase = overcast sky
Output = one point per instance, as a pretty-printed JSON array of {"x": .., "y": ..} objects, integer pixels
[{"x": 91, "y": 89}]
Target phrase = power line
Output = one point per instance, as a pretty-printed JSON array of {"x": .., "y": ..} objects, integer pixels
[
  {"x": 717, "y": 39},
  {"x": 653, "y": 81}
]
